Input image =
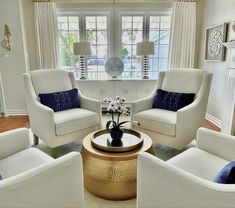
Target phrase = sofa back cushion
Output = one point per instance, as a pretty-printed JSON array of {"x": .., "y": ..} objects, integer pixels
[
  {"x": 172, "y": 101},
  {"x": 50, "y": 80},
  {"x": 183, "y": 80},
  {"x": 62, "y": 100}
]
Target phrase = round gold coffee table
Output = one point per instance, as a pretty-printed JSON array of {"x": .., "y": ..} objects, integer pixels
[{"x": 111, "y": 175}]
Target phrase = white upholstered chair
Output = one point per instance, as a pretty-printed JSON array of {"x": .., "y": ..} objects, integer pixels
[
  {"x": 58, "y": 128},
  {"x": 186, "y": 180},
  {"x": 33, "y": 179},
  {"x": 175, "y": 129}
]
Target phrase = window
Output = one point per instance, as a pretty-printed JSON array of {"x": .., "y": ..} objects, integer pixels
[
  {"x": 105, "y": 41},
  {"x": 138, "y": 28},
  {"x": 159, "y": 33},
  {"x": 131, "y": 34},
  {"x": 70, "y": 30},
  {"x": 96, "y": 34}
]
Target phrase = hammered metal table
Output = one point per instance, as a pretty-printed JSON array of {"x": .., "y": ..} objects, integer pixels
[{"x": 111, "y": 175}]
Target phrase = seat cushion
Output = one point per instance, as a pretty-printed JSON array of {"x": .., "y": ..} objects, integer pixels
[
  {"x": 72, "y": 120},
  {"x": 158, "y": 120},
  {"x": 198, "y": 162},
  {"x": 23, "y": 161}
]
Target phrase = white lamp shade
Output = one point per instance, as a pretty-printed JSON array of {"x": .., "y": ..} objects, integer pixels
[
  {"x": 145, "y": 48},
  {"x": 81, "y": 48}
]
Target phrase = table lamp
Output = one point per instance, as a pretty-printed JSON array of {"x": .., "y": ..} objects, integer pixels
[
  {"x": 82, "y": 49},
  {"x": 145, "y": 49}
]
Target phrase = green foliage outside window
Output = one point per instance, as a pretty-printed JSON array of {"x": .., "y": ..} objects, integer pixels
[{"x": 66, "y": 49}]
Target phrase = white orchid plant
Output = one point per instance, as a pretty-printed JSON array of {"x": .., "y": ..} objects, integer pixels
[{"x": 117, "y": 106}]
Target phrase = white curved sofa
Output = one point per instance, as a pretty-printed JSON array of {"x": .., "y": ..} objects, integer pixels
[
  {"x": 186, "y": 180},
  {"x": 33, "y": 179}
]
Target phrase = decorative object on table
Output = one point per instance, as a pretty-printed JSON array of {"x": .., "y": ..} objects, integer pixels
[
  {"x": 131, "y": 140},
  {"x": 114, "y": 67},
  {"x": 116, "y": 108},
  {"x": 82, "y": 49},
  {"x": 145, "y": 49},
  {"x": 5, "y": 43},
  {"x": 215, "y": 36}
]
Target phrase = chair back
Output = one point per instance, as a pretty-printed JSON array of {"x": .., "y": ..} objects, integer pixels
[
  {"x": 181, "y": 80},
  {"x": 50, "y": 80}
]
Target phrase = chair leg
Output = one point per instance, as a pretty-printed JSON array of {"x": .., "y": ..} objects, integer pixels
[
  {"x": 35, "y": 139},
  {"x": 54, "y": 152}
]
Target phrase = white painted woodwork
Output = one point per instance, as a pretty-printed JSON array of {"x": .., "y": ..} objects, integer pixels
[{"x": 228, "y": 121}]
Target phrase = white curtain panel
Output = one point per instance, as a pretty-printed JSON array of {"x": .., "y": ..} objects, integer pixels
[
  {"x": 46, "y": 34},
  {"x": 183, "y": 35}
]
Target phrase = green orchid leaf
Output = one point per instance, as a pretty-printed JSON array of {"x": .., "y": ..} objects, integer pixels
[{"x": 108, "y": 124}]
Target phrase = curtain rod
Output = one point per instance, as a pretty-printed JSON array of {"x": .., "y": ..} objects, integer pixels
[
  {"x": 36, "y": 1},
  {"x": 187, "y": 0}
]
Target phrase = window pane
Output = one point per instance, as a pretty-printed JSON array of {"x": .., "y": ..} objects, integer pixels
[
  {"x": 165, "y": 22},
  {"x": 102, "y": 37},
  {"x": 63, "y": 23},
  {"x": 68, "y": 33},
  {"x": 73, "y": 23},
  {"x": 96, "y": 34},
  {"x": 154, "y": 22},
  {"x": 101, "y": 23},
  {"x": 126, "y": 22},
  {"x": 138, "y": 23},
  {"x": 159, "y": 33},
  {"x": 164, "y": 37},
  {"x": 90, "y": 23},
  {"x": 154, "y": 36},
  {"x": 132, "y": 33},
  {"x": 163, "y": 51},
  {"x": 163, "y": 64}
]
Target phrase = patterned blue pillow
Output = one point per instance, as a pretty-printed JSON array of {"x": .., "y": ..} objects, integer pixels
[
  {"x": 227, "y": 174},
  {"x": 172, "y": 101},
  {"x": 59, "y": 101}
]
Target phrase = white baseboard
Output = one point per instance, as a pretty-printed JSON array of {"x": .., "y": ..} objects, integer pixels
[
  {"x": 214, "y": 120},
  {"x": 16, "y": 112}
]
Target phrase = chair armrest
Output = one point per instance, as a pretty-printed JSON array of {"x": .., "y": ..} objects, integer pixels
[
  {"x": 41, "y": 120},
  {"x": 13, "y": 141},
  {"x": 141, "y": 105},
  {"x": 160, "y": 184},
  {"x": 92, "y": 105},
  {"x": 217, "y": 143},
  {"x": 55, "y": 184}
]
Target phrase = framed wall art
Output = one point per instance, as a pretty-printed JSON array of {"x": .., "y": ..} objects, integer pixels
[{"x": 215, "y": 36}]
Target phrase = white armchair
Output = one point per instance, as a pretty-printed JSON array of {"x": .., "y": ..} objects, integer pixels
[
  {"x": 31, "y": 178},
  {"x": 186, "y": 180},
  {"x": 58, "y": 128},
  {"x": 175, "y": 129}
]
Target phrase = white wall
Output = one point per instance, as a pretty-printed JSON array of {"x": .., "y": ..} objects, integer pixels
[
  {"x": 12, "y": 67},
  {"x": 212, "y": 12}
]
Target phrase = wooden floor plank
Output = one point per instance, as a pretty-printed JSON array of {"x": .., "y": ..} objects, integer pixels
[{"x": 13, "y": 122}]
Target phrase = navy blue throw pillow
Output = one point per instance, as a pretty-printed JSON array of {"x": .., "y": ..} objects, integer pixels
[
  {"x": 227, "y": 174},
  {"x": 60, "y": 101},
  {"x": 172, "y": 101}
]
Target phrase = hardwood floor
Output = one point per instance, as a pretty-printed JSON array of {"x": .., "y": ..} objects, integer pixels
[{"x": 13, "y": 122}]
